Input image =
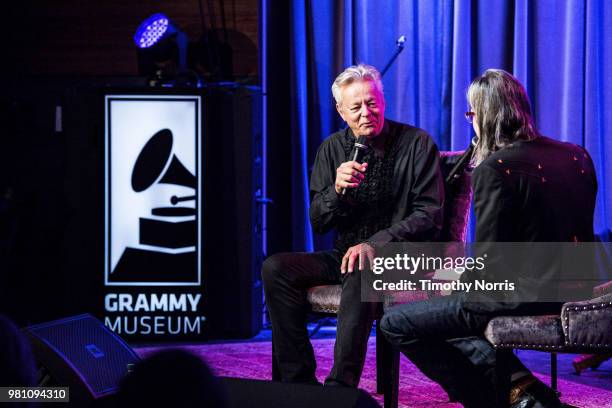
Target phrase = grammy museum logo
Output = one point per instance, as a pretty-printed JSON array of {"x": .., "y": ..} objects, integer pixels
[{"x": 153, "y": 207}]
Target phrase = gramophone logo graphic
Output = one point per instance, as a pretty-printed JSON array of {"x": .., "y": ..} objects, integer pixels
[{"x": 153, "y": 232}]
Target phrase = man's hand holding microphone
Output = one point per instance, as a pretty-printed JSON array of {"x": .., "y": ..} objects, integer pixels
[{"x": 351, "y": 173}]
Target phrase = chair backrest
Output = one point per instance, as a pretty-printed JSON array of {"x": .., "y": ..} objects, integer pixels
[{"x": 458, "y": 200}]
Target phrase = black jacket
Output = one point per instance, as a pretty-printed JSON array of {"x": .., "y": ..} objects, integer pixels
[{"x": 532, "y": 191}]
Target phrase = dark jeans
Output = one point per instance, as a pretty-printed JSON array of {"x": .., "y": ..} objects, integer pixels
[
  {"x": 444, "y": 340},
  {"x": 286, "y": 278}
]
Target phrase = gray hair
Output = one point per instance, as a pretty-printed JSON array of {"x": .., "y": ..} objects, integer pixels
[
  {"x": 352, "y": 74},
  {"x": 503, "y": 112}
]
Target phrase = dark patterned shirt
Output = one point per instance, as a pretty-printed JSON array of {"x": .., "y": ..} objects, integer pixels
[
  {"x": 401, "y": 198},
  {"x": 372, "y": 201}
]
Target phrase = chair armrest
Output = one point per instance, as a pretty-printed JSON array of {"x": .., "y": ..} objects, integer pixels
[
  {"x": 602, "y": 289},
  {"x": 588, "y": 324}
]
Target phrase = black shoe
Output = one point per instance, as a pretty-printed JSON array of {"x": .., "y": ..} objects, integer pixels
[
  {"x": 533, "y": 393},
  {"x": 335, "y": 383}
]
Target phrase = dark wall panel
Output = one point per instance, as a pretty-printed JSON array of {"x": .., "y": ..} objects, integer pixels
[{"x": 72, "y": 37}]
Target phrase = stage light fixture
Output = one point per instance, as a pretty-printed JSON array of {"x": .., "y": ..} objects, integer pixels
[
  {"x": 152, "y": 30},
  {"x": 162, "y": 50}
]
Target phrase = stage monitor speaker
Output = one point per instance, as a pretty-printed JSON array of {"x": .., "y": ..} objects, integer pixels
[
  {"x": 81, "y": 353},
  {"x": 264, "y": 394}
]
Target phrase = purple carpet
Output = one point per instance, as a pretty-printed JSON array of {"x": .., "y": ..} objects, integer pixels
[{"x": 592, "y": 389}]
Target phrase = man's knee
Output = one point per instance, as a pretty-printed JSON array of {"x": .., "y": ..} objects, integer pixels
[
  {"x": 396, "y": 327},
  {"x": 277, "y": 270},
  {"x": 271, "y": 269},
  {"x": 386, "y": 325}
]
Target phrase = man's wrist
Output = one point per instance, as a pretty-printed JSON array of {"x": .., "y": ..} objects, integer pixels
[{"x": 335, "y": 201}]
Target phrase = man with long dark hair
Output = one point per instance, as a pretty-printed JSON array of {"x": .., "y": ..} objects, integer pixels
[{"x": 527, "y": 188}]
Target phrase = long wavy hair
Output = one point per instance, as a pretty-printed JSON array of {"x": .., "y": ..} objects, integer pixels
[{"x": 503, "y": 112}]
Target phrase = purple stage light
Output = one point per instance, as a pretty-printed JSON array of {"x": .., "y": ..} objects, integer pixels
[{"x": 151, "y": 30}]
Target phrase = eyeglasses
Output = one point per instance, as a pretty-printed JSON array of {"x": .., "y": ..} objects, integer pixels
[{"x": 469, "y": 116}]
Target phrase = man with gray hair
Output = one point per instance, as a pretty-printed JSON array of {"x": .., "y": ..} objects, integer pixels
[{"x": 393, "y": 193}]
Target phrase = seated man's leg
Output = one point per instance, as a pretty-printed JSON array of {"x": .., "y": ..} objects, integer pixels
[
  {"x": 482, "y": 354},
  {"x": 286, "y": 278},
  {"x": 355, "y": 320},
  {"x": 421, "y": 330}
]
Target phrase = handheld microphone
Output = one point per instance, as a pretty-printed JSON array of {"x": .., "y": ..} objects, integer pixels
[
  {"x": 361, "y": 146},
  {"x": 461, "y": 164}
]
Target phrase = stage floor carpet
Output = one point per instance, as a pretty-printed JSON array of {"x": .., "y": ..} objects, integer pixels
[{"x": 252, "y": 359}]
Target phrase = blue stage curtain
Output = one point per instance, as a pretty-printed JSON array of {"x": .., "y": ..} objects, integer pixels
[{"x": 559, "y": 49}]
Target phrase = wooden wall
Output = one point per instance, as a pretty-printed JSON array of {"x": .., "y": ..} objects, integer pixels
[{"x": 94, "y": 37}]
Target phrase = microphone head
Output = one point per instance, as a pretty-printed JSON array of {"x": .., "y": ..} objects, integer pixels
[
  {"x": 400, "y": 41},
  {"x": 361, "y": 142}
]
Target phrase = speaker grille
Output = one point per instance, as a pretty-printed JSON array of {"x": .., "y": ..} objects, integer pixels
[{"x": 95, "y": 353}]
